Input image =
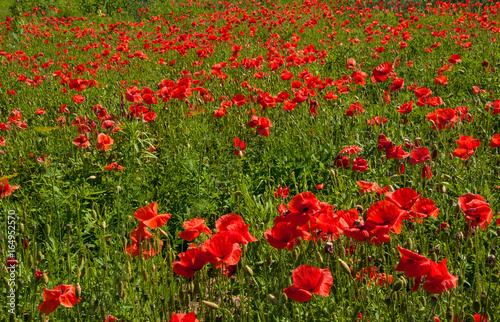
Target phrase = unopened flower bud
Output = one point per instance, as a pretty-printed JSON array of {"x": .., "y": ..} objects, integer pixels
[
  {"x": 329, "y": 247},
  {"x": 344, "y": 267},
  {"x": 211, "y": 305}
]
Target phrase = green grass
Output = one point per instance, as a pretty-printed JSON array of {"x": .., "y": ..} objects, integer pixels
[{"x": 76, "y": 217}]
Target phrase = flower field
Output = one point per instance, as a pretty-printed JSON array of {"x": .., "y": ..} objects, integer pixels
[{"x": 250, "y": 161}]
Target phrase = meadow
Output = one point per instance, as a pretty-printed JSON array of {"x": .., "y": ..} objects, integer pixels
[{"x": 252, "y": 161}]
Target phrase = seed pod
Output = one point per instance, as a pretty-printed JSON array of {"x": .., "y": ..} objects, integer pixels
[
  {"x": 329, "y": 247},
  {"x": 249, "y": 270},
  {"x": 211, "y": 305},
  {"x": 78, "y": 290},
  {"x": 31, "y": 261},
  {"x": 344, "y": 267},
  {"x": 273, "y": 299},
  {"x": 470, "y": 243}
]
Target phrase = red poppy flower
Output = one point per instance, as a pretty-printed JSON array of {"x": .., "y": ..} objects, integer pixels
[
  {"x": 285, "y": 234},
  {"x": 112, "y": 166},
  {"x": 193, "y": 260},
  {"x": 455, "y": 59},
  {"x": 62, "y": 294},
  {"x": 148, "y": 215},
  {"x": 355, "y": 108},
  {"x": 181, "y": 317},
  {"x": 264, "y": 125},
  {"x": 419, "y": 155},
  {"x": 141, "y": 243},
  {"x": 355, "y": 225},
  {"x": 224, "y": 249},
  {"x": 353, "y": 149},
  {"x": 384, "y": 143},
  {"x": 281, "y": 192},
  {"x": 193, "y": 228},
  {"x": 370, "y": 187},
  {"x": 383, "y": 217},
  {"x": 477, "y": 211},
  {"x": 110, "y": 318},
  {"x": 396, "y": 152},
  {"x": 82, "y": 141},
  {"x": 6, "y": 189},
  {"x": 286, "y": 75},
  {"x": 104, "y": 142},
  {"x": 351, "y": 63},
  {"x": 307, "y": 280},
  {"x": 360, "y": 164},
  {"x": 40, "y": 111},
  {"x": 77, "y": 99},
  {"x": 412, "y": 264},
  {"x": 426, "y": 172},
  {"x": 467, "y": 144},
  {"x": 443, "y": 118},
  {"x": 423, "y": 92},
  {"x": 78, "y": 84},
  {"x": 425, "y": 207},
  {"x": 380, "y": 279},
  {"x": 377, "y": 120},
  {"x": 439, "y": 280},
  {"x": 329, "y": 222},
  {"x": 234, "y": 223},
  {"x": 397, "y": 83},
  {"x": 406, "y": 108},
  {"x": 404, "y": 198},
  {"x": 239, "y": 100},
  {"x": 441, "y": 80},
  {"x": 495, "y": 141},
  {"x": 304, "y": 203},
  {"x": 381, "y": 73}
]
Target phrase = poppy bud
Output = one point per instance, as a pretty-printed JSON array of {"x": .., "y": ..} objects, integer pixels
[
  {"x": 78, "y": 290},
  {"x": 84, "y": 271},
  {"x": 272, "y": 298},
  {"x": 78, "y": 272},
  {"x": 401, "y": 168},
  {"x": 104, "y": 225},
  {"x": 21, "y": 227},
  {"x": 245, "y": 248},
  {"x": 443, "y": 189},
  {"x": 434, "y": 152},
  {"x": 434, "y": 256},
  {"x": 107, "y": 237},
  {"x": 31, "y": 261},
  {"x": 145, "y": 275},
  {"x": 163, "y": 233},
  {"x": 121, "y": 290},
  {"x": 48, "y": 230},
  {"x": 296, "y": 254},
  {"x": 211, "y": 305},
  {"x": 240, "y": 154},
  {"x": 470, "y": 243},
  {"x": 344, "y": 267},
  {"x": 399, "y": 284},
  {"x": 332, "y": 172},
  {"x": 476, "y": 306},
  {"x": 329, "y": 248},
  {"x": 39, "y": 257},
  {"x": 237, "y": 193},
  {"x": 417, "y": 142},
  {"x": 45, "y": 279},
  {"x": 319, "y": 258},
  {"x": 498, "y": 230},
  {"x": 118, "y": 189},
  {"x": 249, "y": 270},
  {"x": 269, "y": 261}
]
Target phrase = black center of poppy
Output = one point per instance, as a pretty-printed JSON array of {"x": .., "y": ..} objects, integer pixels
[{"x": 306, "y": 209}]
